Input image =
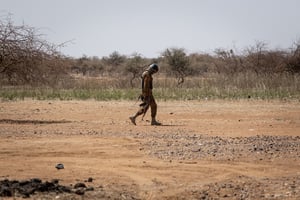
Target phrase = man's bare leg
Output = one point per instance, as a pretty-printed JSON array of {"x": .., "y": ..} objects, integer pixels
[
  {"x": 154, "y": 122},
  {"x": 132, "y": 119}
]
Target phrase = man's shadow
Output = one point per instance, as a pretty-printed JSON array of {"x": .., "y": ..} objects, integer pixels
[{"x": 165, "y": 125}]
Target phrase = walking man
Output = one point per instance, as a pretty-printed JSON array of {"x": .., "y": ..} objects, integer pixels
[{"x": 147, "y": 96}]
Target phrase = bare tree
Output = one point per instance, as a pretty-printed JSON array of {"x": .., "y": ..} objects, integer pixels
[
  {"x": 263, "y": 61},
  {"x": 293, "y": 61},
  {"x": 227, "y": 61},
  {"x": 24, "y": 56},
  {"x": 255, "y": 56}
]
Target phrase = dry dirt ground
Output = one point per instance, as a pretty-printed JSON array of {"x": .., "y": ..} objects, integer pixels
[{"x": 204, "y": 149}]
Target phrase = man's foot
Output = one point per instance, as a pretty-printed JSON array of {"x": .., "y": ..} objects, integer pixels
[
  {"x": 155, "y": 123},
  {"x": 132, "y": 119}
]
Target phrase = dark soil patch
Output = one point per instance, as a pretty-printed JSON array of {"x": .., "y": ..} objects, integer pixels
[{"x": 26, "y": 188}]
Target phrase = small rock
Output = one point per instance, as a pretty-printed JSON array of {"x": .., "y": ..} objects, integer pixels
[
  {"x": 90, "y": 179},
  {"x": 89, "y": 189},
  {"x": 79, "y": 185},
  {"x": 59, "y": 166},
  {"x": 55, "y": 181},
  {"x": 80, "y": 191}
]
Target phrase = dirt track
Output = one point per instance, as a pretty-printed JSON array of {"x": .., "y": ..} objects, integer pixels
[{"x": 204, "y": 150}]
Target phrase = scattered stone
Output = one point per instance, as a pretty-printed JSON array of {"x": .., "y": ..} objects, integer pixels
[
  {"x": 188, "y": 148},
  {"x": 203, "y": 147},
  {"x": 80, "y": 191},
  {"x": 79, "y": 185},
  {"x": 59, "y": 166},
  {"x": 90, "y": 179}
]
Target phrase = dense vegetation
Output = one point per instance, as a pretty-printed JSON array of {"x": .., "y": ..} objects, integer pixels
[{"x": 32, "y": 67}]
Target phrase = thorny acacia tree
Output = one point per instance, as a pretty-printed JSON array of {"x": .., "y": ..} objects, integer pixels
[
  {"x": 25, "y": 58},
  {"x": 134, "y": 66},
  {"x": 179, "y": 63},
  {"x": 115, "y": 59}
]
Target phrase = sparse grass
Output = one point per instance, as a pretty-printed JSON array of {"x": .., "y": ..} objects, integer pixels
[
  {"x": 211, "y": 87},
  {"x": 132, "y": 94},
  {"x": 67, "y": 94}
]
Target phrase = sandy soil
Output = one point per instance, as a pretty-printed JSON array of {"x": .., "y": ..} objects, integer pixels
[{"x": 203, "y": 150}]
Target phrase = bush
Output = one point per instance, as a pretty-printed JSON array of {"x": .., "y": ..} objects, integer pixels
[{"x": 25, "y": 58}]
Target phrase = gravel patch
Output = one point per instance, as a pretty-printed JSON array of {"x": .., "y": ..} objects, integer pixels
[
  {"x": 247, "y": 188},
  {"x": 204, "y": 147}
]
